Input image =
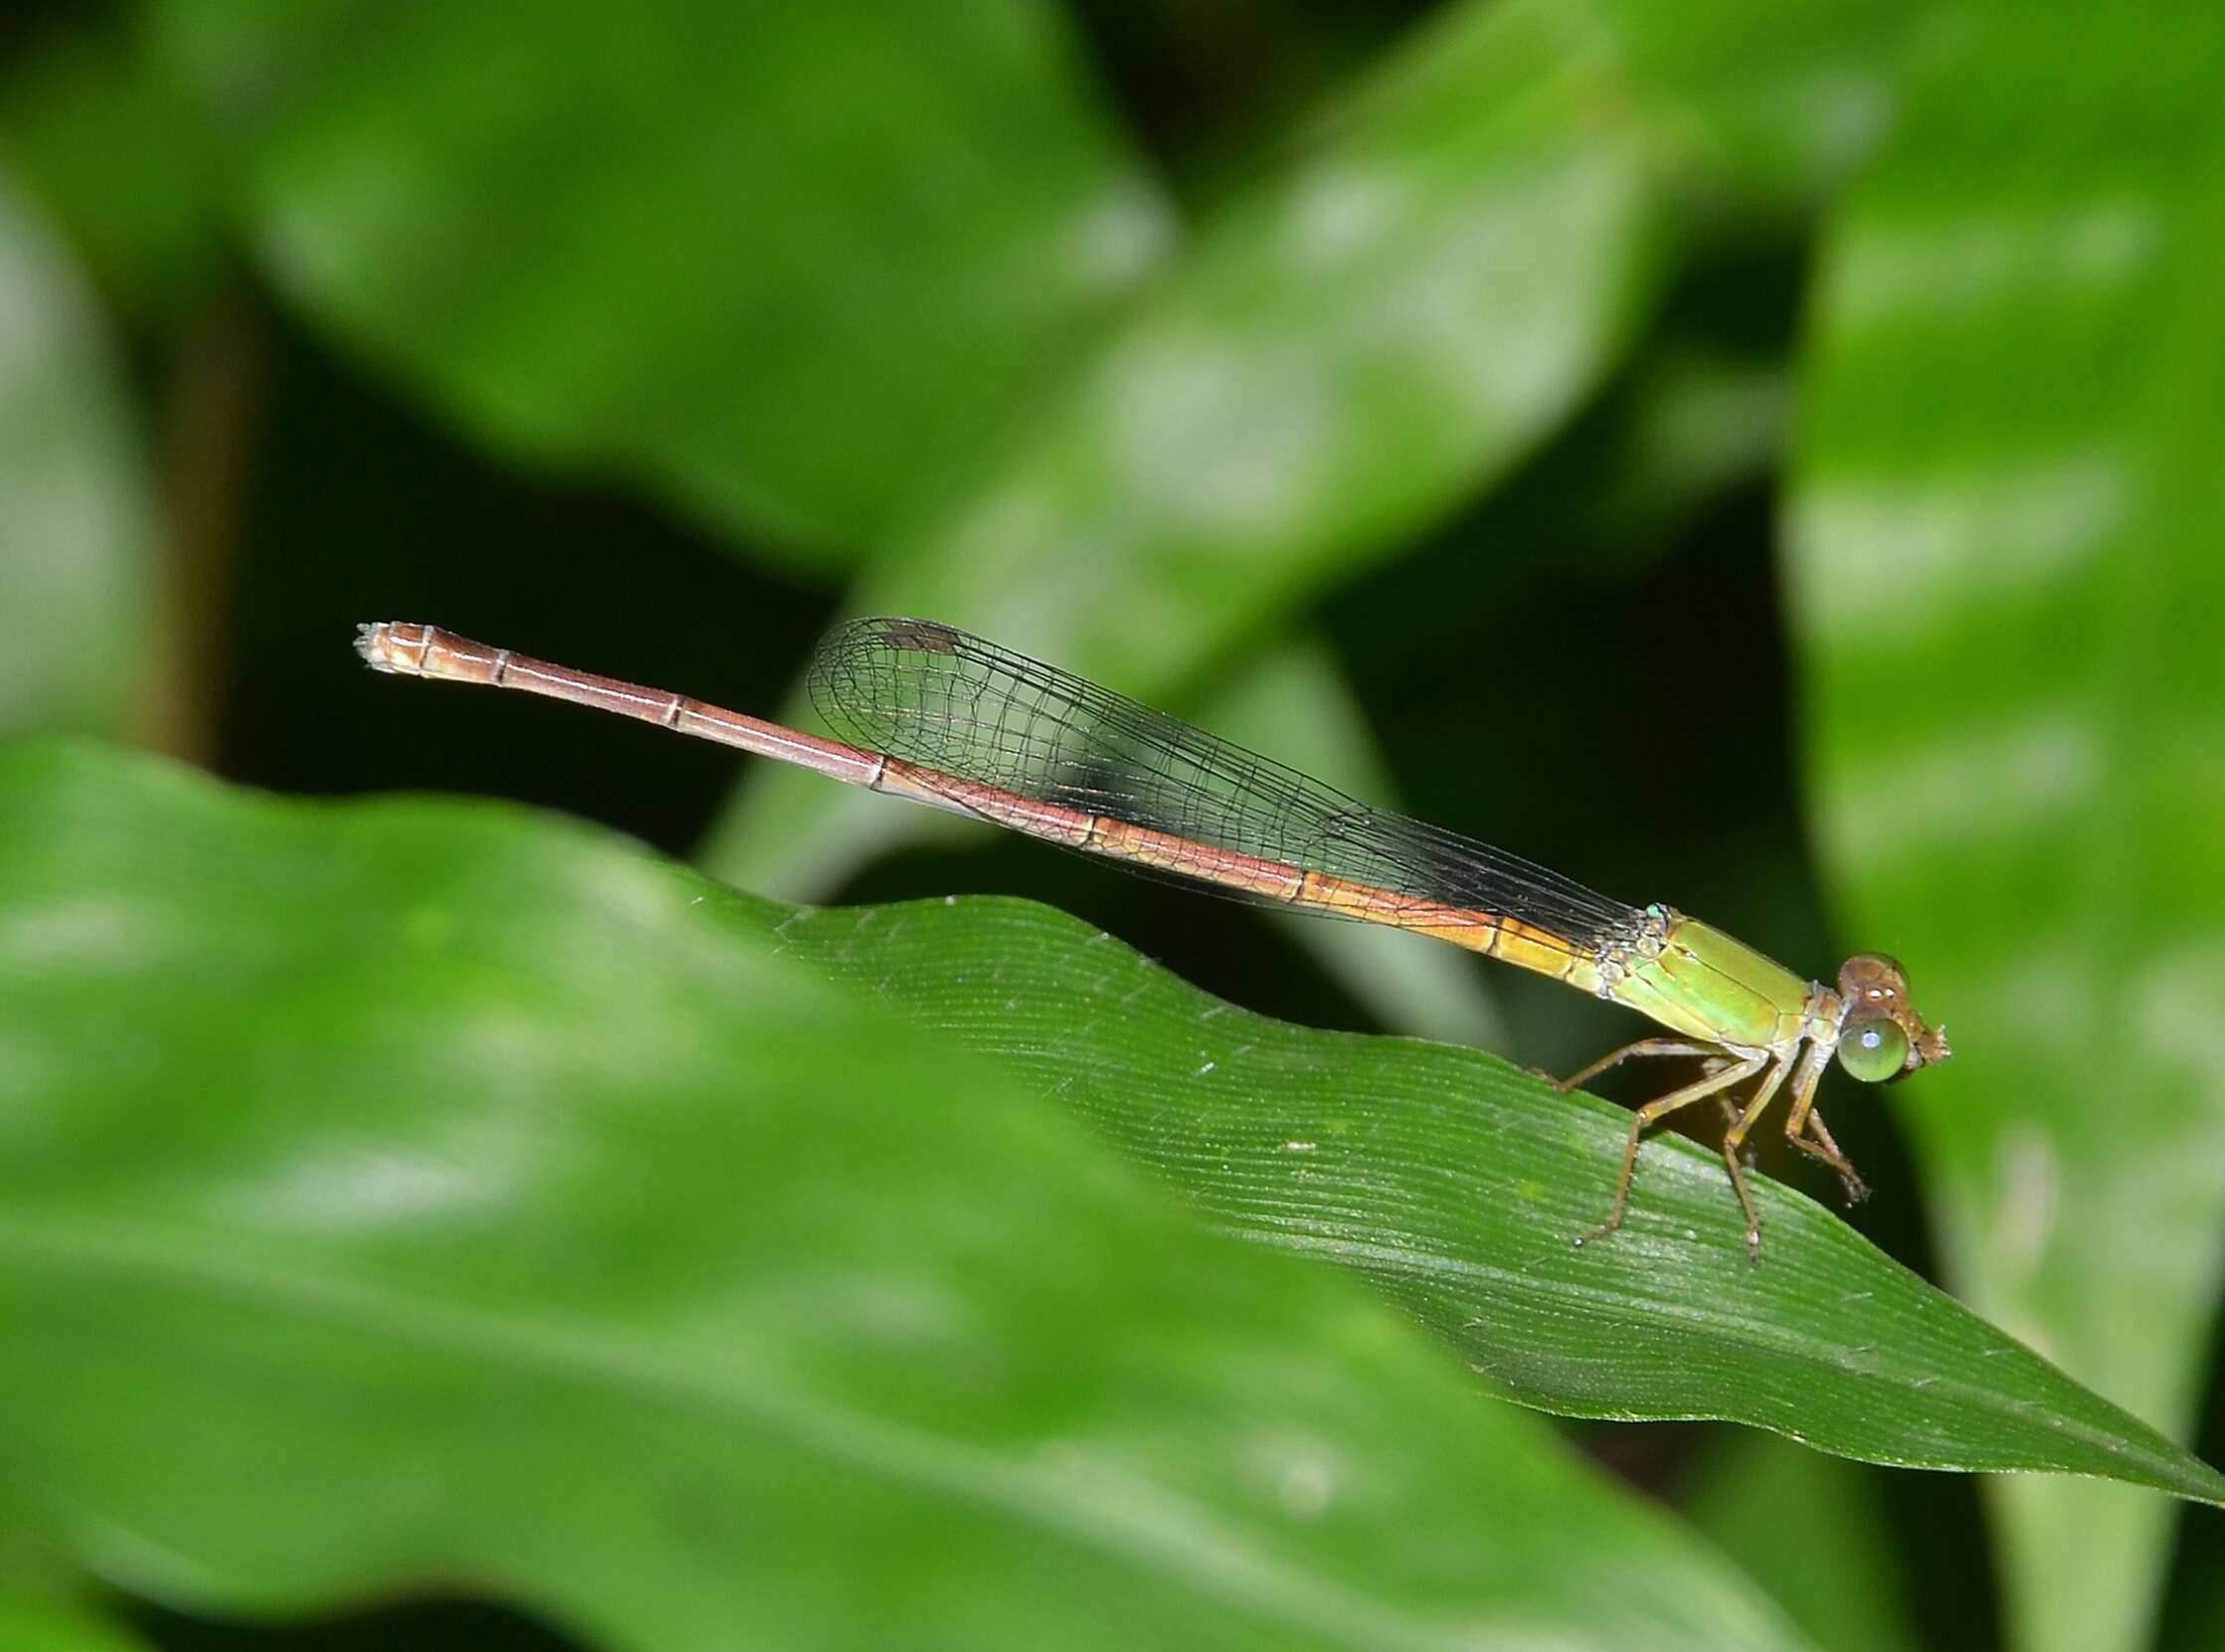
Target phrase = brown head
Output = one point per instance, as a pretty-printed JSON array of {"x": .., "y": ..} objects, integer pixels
[{"x": 1882, "y": 1036}]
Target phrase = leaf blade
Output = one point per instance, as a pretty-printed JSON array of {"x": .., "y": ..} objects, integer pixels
[
  {"x": 409, "y": 1192},
  {"x": 1827, "y": 1340},
  {"x": 2005, "y": 478},
  {"x": 780, "y": 262}
]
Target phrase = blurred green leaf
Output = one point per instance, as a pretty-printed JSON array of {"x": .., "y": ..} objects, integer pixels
[
  {"x": 1813, "y": 1531},
  {"x": 32, "y": 1567},
  {"x": 1460, "y": 257},
  {"x": 784, "y": 261},
  {"x": 31, "y": 1625},
  {"x": 76, "y": 534},
  {"x": 414, "y": 1192},
  {"x": 100, "y": 138},
  {"x": 2007, "y": 521}
]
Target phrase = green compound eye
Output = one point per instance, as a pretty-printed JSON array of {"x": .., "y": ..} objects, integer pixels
[{"x": 1872, "y": 1047}]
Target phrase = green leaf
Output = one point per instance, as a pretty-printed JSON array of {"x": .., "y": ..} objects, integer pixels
[
  {"x": 77, "y": 532},
  {"x": 408, "y": 1194},
  {"x": 100, "y": 136},
  {"x": 783, "y": 262},
  {"x": 1814, "y": 1533},
  {"x": 1463, "y": 254},
  {"x": 2006, "y": 525},
  {"x": 1455, "y": 1182},
  {"x": 31, "y": 1625}
]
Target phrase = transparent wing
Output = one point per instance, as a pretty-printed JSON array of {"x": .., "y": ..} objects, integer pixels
[{"x": 943, "y": 700}]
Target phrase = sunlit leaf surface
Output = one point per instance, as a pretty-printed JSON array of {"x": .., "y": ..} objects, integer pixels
[
  {"x": 412, "y": 1196},
  {"x": 1450, "y": 1181},
  {"x": 782, "y": 262},
  {"x": 2007, "y": 522}
]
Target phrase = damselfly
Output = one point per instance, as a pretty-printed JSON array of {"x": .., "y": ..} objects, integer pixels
[{"x": 926, "y": 712}]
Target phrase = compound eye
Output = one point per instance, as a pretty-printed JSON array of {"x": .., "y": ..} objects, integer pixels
[{"x": 1872, "y": 1047}]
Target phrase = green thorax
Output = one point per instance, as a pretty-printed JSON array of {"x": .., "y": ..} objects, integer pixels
[{"x": 1695, "y": 980}]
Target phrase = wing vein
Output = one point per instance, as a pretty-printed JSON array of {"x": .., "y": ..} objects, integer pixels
[{"x": 946, "y": 701}]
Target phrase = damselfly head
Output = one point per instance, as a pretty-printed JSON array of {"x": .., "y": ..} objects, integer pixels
[{"x": 1882, "y": 1036}]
